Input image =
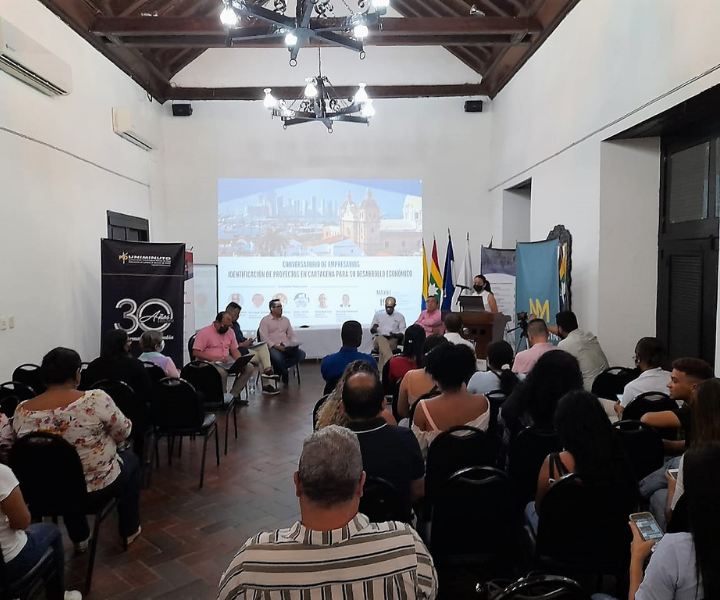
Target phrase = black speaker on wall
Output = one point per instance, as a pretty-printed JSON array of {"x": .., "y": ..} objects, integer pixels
[
  {"x": 473, "y": 106},
  {"x": 182, "y": 110}
]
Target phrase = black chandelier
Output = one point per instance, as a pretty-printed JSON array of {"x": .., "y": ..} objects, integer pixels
[
  {"x": 321, "y": 103},
  {"x": 346, "y": 32}
]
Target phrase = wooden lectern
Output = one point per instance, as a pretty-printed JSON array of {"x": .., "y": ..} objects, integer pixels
[{"x": 483, "y": 327}]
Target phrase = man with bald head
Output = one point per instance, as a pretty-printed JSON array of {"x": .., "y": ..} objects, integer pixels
[
  {"x": 388, "y": 451},
  {"x": 538, "y": 335},
  {"x": 388, "y": 328}
]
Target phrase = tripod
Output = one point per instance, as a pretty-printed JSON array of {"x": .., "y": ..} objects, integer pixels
[{"x": 523, "y": 336}]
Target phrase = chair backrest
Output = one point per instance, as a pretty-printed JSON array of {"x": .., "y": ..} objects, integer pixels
[
  {"x": 316, "y": 410},
  {"x": 50, "y": 474},
  {"x": 205, "y": 378},
  {"x": 455, "y": 449},
  {"x": 125, "y": 399},
  {"x": 431, "y": 394},
  {"x": 648, "y": 402},
  {"x": 643, "y": 446},
  {"x": 155, "y": 373},
  {"x": 496, "y": 399},
  {"x": 385, "y": 378},
  {"x": 586, "y": 525},
  {"x": 612, "y": 381},
  {"x": 526, "y": 454},
  {"x": 176, "y": 405},
  {"x": 330, "y": 385},
  {"x": 13, "y": 393},
  {"x": 381, "y": 502},
  {"x": 474, "y": 516},
  {"x": 543, "y": 587},
  {"x": 395, "y": 399},
  {"x": 30, "y": 374},
  {"x": 191, "y": 343}
]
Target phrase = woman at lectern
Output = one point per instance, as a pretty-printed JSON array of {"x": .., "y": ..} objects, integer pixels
[{"x": 481, "y": 287}]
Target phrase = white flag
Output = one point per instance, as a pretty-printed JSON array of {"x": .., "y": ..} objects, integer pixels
[{"x": 465, "y": 275}]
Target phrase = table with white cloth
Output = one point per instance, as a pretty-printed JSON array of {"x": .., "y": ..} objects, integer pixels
[{"x": 318, "y": 342}]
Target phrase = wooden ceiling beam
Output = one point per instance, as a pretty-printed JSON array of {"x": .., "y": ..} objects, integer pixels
[{"x": 375, "y": 92}]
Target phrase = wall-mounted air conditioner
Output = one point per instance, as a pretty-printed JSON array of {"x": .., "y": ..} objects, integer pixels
[
  {"x": 129, "y": 127},
  {"x": 24, "y": 58}
]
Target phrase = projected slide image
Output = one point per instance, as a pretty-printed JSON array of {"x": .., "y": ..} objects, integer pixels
[{"x": 329, "y": 250}]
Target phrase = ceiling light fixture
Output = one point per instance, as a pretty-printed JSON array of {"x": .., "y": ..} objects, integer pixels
[
  {"x": 291, "y": 39},
  {"x": 228, "y": 16}
]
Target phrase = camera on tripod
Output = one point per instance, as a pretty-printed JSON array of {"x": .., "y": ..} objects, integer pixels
[{"x": 522, "y": 318}]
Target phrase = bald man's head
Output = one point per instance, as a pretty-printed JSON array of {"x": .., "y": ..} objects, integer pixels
[
  {"x": 538, "y": 332},
  {"x": 363, "y": 396}
]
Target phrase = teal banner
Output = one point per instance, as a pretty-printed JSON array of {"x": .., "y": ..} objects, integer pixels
[{"x": 538, "y": 280}]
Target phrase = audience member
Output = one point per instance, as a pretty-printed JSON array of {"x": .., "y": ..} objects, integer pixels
[
  {"x": 583, "y": 345},
  {"x": 387, "y": 328},
  {"x": 285, "y": 352},
  {"x": 451, "y": 367},
  {"x": 538, "y": 339},
  {"x": 590, "y": 449},
  {"x": 332, "y": 412},
  {"x": 411, "y": 356},
  {"x": 481, "y": 287},
  {"x": 684, "y": 566},
  {"x": 430, "y": 319},
  {"x": 500, "y": 375},
  {"x": 649, "y": 358},
  {"x": 217, "y": 344},
  {"x": 24, "y": 543},
  {"x": 152, "y": 345},
  {"x": 333, "y": 365},
  {"x": 389, "y": 452},
  {"x": 418, "y": 382},
  {"x": 92, "y": 423},
  {"x": 453, "y": 327},
  {"x": 534, "y": 400},
  {"x": 332, "y": 542}
]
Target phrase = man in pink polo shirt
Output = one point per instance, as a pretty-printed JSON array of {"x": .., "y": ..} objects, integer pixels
[
  {"x": 217, "y": 344},
  {"x": 538, "y": 339},
  {"x": 276, "y": 330},
  {"x": 431, "y": 319}
]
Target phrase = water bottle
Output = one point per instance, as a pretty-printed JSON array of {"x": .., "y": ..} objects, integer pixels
[{"x": 251, "y": 386}]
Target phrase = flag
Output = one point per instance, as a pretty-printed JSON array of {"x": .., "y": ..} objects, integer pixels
[
  {"x": 448, "y": 276},
  {"x": 436, "y": 282},
  {"x": 423, "y": 300},
  {"x": 465, "y": 276}
]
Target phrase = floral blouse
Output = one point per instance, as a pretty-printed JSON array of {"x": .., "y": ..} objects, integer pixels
[{"x": 93, "y": 424}]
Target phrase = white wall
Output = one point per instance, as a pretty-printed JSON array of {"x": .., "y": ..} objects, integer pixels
[
  {"x": 609, "y": 65},
  {"x": 61, "y": 169}
]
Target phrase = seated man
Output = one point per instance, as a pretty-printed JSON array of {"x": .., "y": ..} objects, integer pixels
[
  {"x": 334, "y": 552},
  {"x": 538, "y": 339},
  {"x": 431, "y": 318},
  {"x": 388, "y": 327},
  {"x": 261, "y": 353},
  {"x": 583, "y": 345},
  {"x": 388, "y": 451},
  {"x": 649, "y": 357},
  {"x": 333, "y": 365},
  {"x": 453, "y": 326},
  {"x": 217, "y": 344},
  {"x": 280, "y": 337}
]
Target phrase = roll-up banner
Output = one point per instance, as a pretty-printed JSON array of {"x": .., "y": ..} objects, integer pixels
[{"x": 538, "y": 281}]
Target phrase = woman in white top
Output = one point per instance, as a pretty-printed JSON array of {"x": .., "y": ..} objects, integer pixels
[
  {"x": 451, "y": 366},
  {"x": 481, "y": 287},
  {"x": 499, "y": 376},
  {"x": 23, "y": 544}
]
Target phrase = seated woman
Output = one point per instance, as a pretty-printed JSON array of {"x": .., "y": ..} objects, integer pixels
[
  {"x": 152, "y": 345},
  {"x": 418, "y": 382},
  {"x": 410, "y": 358},
  {"x": 499, "y": 376},
  {"x": 92, "y": 423},
  {"x": 684, "y": 566},
  {"x": 591, "y": 449},
  {"x": 451, "y": 366},
  {"x": 331, "y": 411},
  {"x": 24, "y": 544}
]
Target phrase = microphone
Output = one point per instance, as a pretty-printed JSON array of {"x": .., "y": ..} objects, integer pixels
[{"x": 462, "y": 287}]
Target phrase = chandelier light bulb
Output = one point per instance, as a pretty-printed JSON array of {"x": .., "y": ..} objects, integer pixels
[
  {"x": 381, "y": 3},
  {"x": 361, "y": 31},
  {"x": 290, "y": 39},
  {"x": 361, "y": 95},
  {"x": 269, "y": 101},
  {"x": 228, "y": 17},
  {"x": 368, "y": 110},
  {"x": 310, "y": 88}
]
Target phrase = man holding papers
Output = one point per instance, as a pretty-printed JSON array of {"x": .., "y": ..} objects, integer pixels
[{"x": 280, "y": 337}]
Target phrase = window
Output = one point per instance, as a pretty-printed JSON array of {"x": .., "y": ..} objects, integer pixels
[
  {"x": 689, "y": 181},
  {"x": 127, "y": 228}
]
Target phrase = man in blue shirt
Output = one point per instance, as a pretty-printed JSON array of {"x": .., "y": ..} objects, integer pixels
[{"x": 333, "y": 365}]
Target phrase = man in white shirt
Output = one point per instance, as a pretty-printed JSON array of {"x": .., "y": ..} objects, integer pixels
[
  {"x": 453, "y": 327},
  {"x": 388, "y": 327},
  {"x": 583, "y": 345},
  {"x": 649, "y": 358}
]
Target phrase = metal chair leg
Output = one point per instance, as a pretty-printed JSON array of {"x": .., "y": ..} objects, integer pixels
[
  {"x": 235, "y": 419},
  {"x": 217, "y": 446},
  {"x": 227, "y": 427},
  {"x": 157, "y": 451},
  {"x": 202, "y": 467},
  {"x": 93, "y": 552}
]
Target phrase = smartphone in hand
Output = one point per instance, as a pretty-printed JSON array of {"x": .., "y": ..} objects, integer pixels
[{"x": 647, "y": 526}]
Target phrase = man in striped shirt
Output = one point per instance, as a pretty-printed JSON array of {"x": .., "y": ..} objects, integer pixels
[{"x": 334, "y": 552}]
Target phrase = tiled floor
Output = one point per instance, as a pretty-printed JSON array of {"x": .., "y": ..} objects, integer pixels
[{"x": 190, "y": 535}]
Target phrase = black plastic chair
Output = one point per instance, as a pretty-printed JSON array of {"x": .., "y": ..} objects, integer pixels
[
  {"x": 496, "y": 399},
  {"x": 13, "y": 393},
  {"x": 177, "y": 411},
  {"x": 330, "y": 385},
  {"x": 455, "y": 449},
  {"x": 191, "y": 343},
  {"x": 206, "y": 380},
  {"x": 30, "y": 375},
  {"x": 316, "y": 410},
  {"x": 395, "y": 400},
  {"x": 612, "y": 381},
  {"x": 155, "y": 373},
  {"x": 27, "y": 586},
  {"x": 643, "y": 446},
  {"x": 431, "y": 394},
  {"x": 294, "y": 367},
  {"x": 526, "y": 454},
  {"x": 542, "y": 587},
  {"x": 474, "y": 520},
  {"x": 53, "y": 484},
  {"x": 381, "y": 502},
  {"x": 648, "y": 402}
]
